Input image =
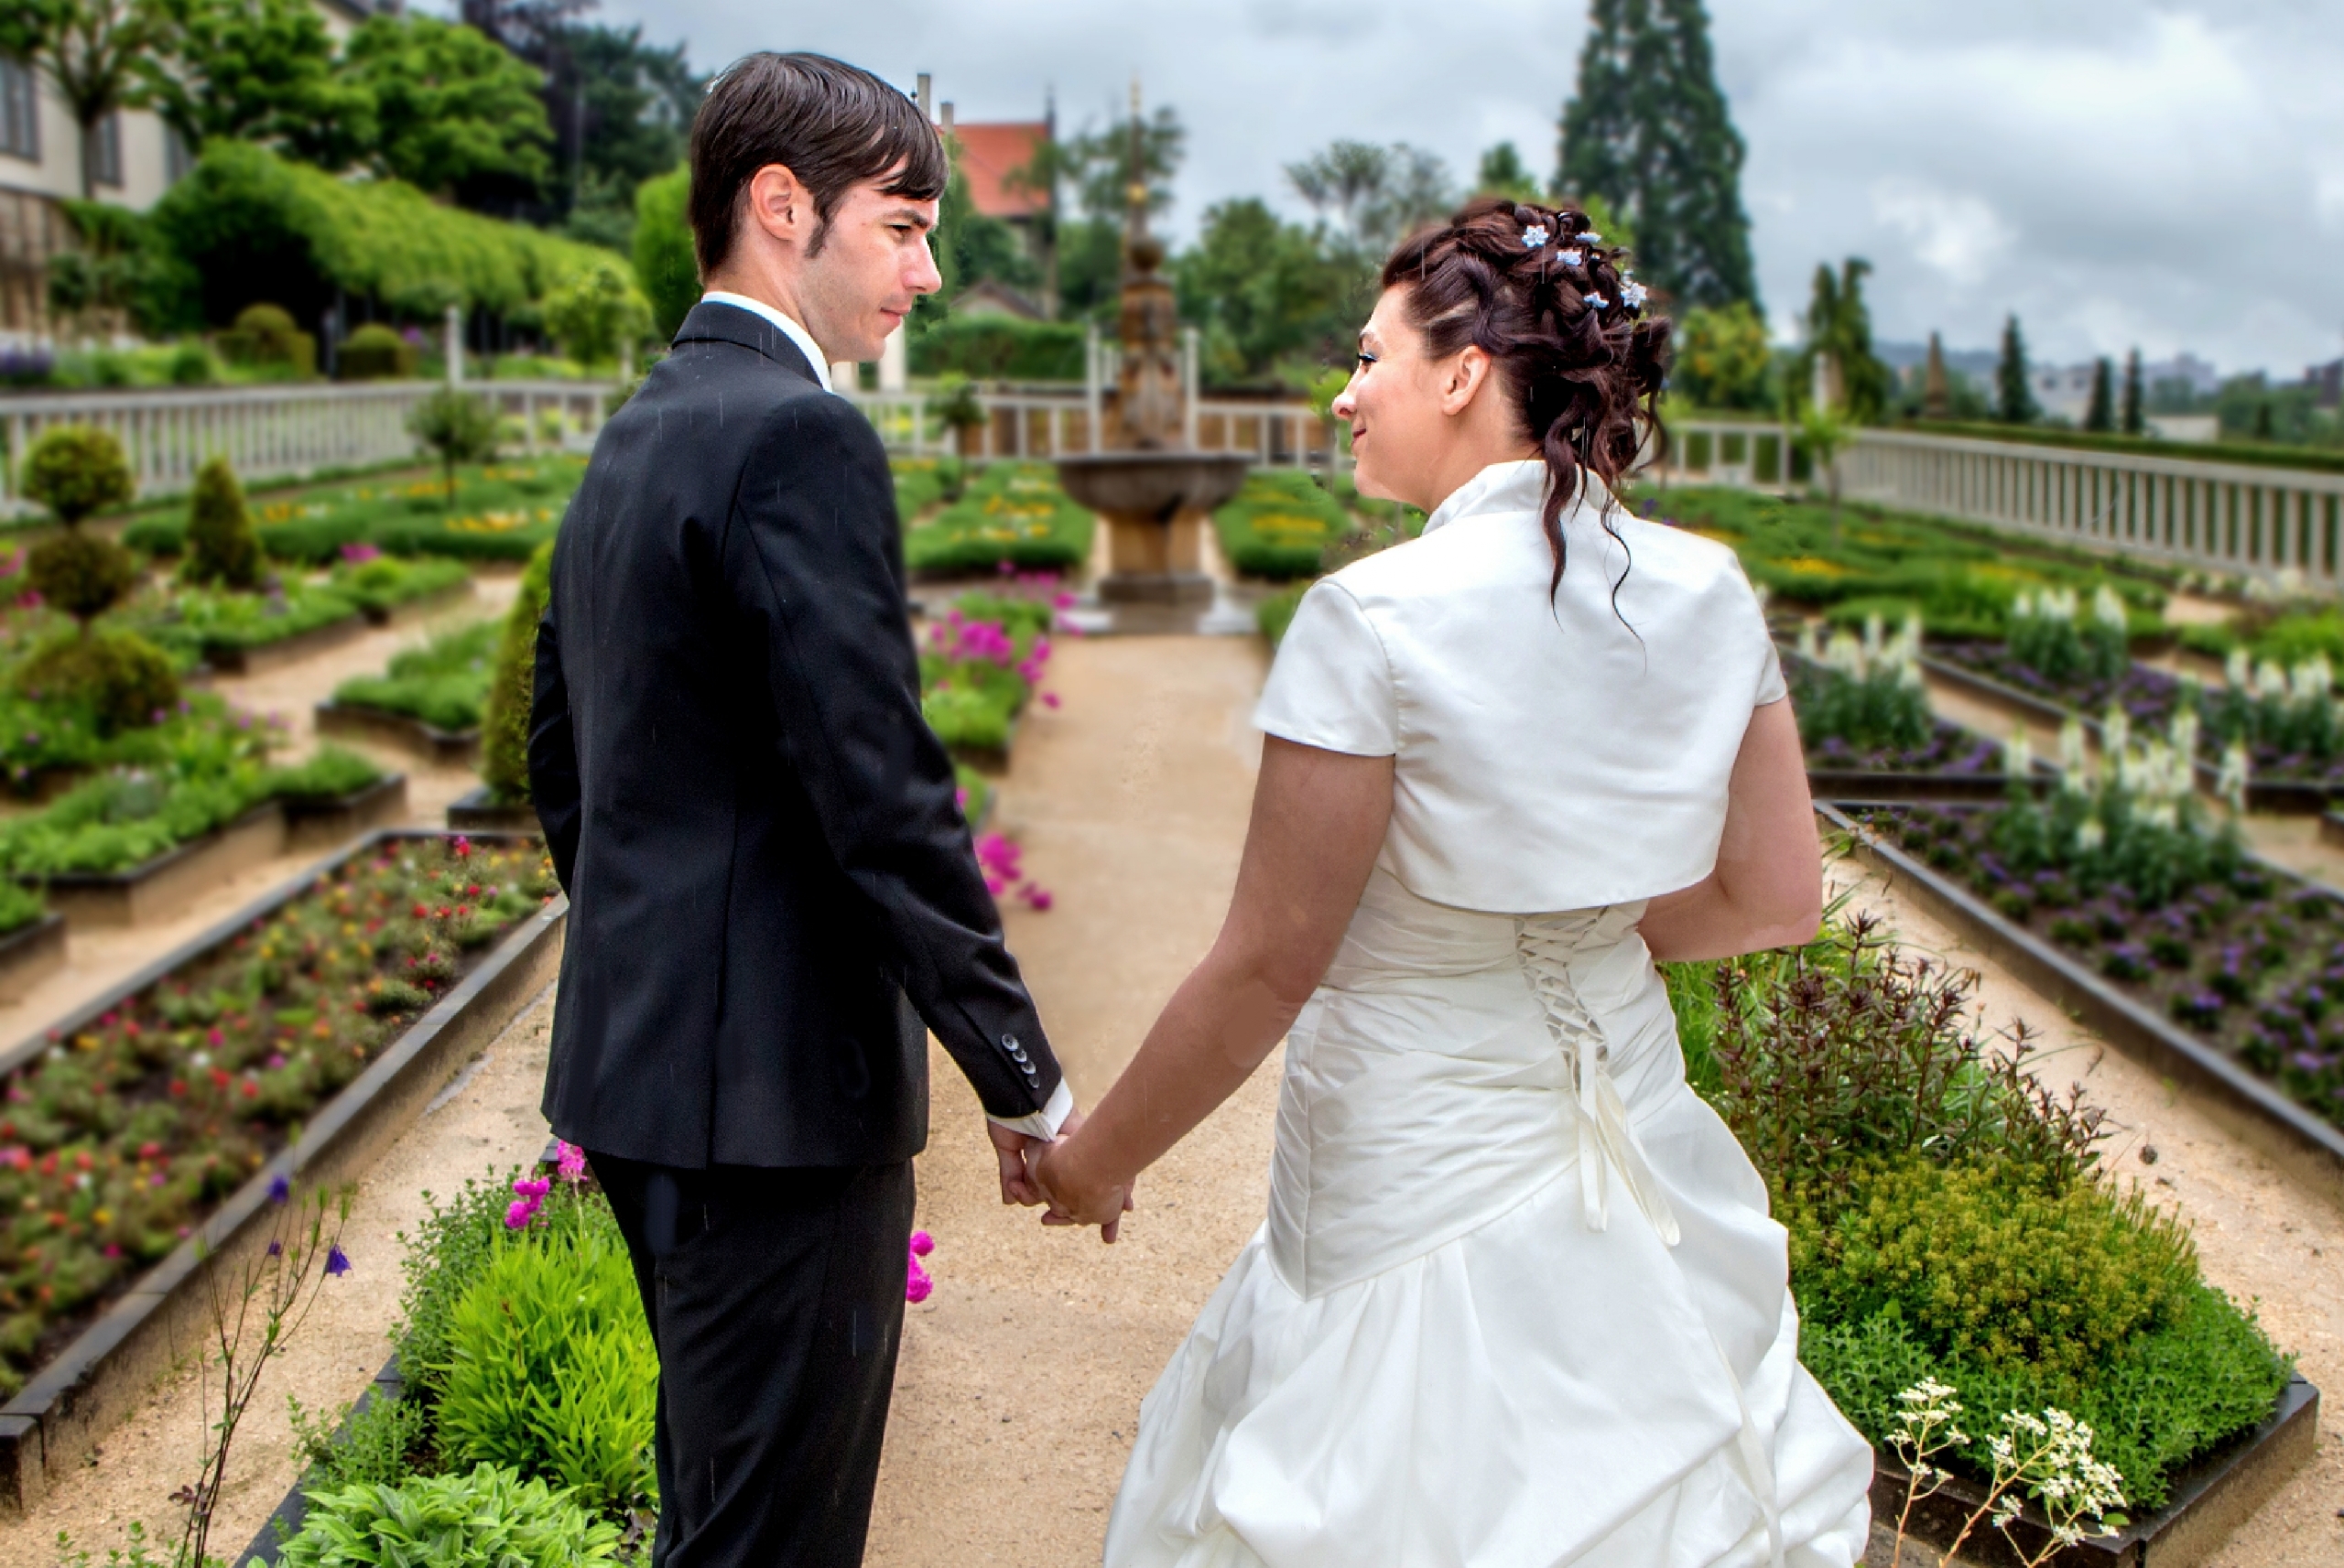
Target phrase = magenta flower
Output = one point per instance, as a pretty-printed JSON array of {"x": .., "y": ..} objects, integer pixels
[
  {"x": 570, "y": 1162},
  {"x": 917, "y": 1286},
  {"x": 1038, "y": 898},
  {"x": 518, "y": 1216},
  {"x": 1050, "y": 699}
]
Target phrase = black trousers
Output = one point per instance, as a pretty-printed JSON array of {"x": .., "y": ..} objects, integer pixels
[{"x": 776, "y": 1300}]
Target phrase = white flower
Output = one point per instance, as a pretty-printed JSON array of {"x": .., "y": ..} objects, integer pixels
[
  {"x": 1533, "y": 236},
  {"x": 1573, "y": 257},
  {"x": 2107, "y": 609},
  {"x": 1591, "y": 238},
  {"x": 2237, "y": 670},
  {"x": 1599, "y": 301},
  {"x": 2090, "y": 836},
  {"x": 2115, "y": 730},
  {"x": 1633, "y": 294}
]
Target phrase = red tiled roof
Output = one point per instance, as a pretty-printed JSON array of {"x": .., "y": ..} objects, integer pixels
[{"x": 990, "y": 155}]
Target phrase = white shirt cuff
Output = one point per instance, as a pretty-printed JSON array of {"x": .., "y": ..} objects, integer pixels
[{"x": 1044, "y": 1123}]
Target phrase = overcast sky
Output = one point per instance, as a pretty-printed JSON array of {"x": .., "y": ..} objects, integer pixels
[{"x": 2117, "y": 172}]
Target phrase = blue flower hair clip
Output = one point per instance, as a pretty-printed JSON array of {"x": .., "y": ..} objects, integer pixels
[
  {"x": 1599, "y": 301},
  {"x": 1633, "y": 294},
  {"x": 1572, "y": 257},
  {"x": 1591, "y": 238},
  {"x": 1533, "y": 236}
]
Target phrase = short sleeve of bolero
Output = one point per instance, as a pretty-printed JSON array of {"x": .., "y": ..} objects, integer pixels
[{"x": 1330, "y": 686}]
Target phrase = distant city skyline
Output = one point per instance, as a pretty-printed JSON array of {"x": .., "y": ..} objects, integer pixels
[{"x": 2165, "y": 174}]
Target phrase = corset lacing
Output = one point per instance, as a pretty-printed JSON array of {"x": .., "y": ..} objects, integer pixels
[{"x": 1606, "y": 1141}]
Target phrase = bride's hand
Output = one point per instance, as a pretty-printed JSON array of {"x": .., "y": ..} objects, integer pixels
[{"x": 1076, "y": 1195}]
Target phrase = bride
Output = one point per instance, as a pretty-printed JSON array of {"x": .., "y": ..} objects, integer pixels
[{"x": 1517, "y": 1300}]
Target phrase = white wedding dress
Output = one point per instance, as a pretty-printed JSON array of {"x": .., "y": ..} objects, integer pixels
[{"x": 1518, "y": 1300}]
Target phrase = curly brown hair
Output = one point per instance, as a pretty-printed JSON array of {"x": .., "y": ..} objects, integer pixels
[{"x": 1581, "y": 361}]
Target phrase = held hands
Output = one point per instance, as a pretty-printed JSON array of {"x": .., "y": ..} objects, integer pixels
[{"x": 1073, "y": 1199}]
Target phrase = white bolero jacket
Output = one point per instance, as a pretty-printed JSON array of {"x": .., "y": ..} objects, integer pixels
[{"x": 1548, "y": 754}]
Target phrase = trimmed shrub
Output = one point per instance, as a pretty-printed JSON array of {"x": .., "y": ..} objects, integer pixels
[
  {"x": 1000, "y": 348},
  {"x": 504, "y": 738},
  {"x": 444, "y": 683},
  {"x": 122, "y": 679},
  {"x": 221, "y": 545},
  {"x": 82, "y": 574},
  {"x": 267, "y": 335},
  {"x": 551, "y": 1368},
  {"x": 375, "y": 352},
  {"x": 76, "y": 470},
  {"x": 458, "y": 427},
  {"x": 664, "y": 267},
  {"x": 491, "y": 1515},
  {"x": 1280, "y": 525}
]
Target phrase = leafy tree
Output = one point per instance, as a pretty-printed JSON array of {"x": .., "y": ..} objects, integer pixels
[
  {"x": 2014, "y": 389},
  {"x": 1502, "y": 173},
  {"x": 1936, "y": 386},
  {"x": 665, "y": 266},
  {"x": 971, "y": 247},
  {"x": 597, "y": 312},
  {"x": 260, "y": 71},
  {"x": 95, "y": 53},
  {"x": 221, "y": 543},
  {"x": 119, "y": 276},
  {"x": 1824, "y": 433},
  {"x": 1648, "y": 131},
  {"x": 1264, "y": 292},
  {"x": 2131, "y": 417},
  {"x": 458, "y": 426},
  {"x": 2100, "y": 414},
  {"x": 457, "y": 114},
  {"x": 1839, "y": 347},
  {"x": 1722, "y": 357},
  {"x": 1097, "y": 164},
  {"x": 1377, "y": 195},
  {"x": 621, "y": 112}
]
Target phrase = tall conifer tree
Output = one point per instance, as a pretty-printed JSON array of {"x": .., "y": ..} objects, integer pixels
[
  {"x": 2014, "y": 387},
  {"x": 2100, "y": 414},
  {"x": 1648, "y": 131},
  {"x": 2131, "y": 418}
]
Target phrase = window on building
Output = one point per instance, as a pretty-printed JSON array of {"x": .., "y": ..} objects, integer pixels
[
  {"x": 177, "y": 160},
  {"x": 105, "y": 151},
  {"x": 19, "y": 111}
]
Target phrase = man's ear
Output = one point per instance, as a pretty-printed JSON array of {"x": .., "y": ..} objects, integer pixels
[
  {"x": 780, "y": 205},
  {"x": 1467, "y": 373}
]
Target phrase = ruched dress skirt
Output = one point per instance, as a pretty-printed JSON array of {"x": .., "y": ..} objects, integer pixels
[{"x": 1518, "y": 1300}]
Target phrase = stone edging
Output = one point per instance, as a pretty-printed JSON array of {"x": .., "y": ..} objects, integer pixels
[
  {"x": 447, "y": 746},
  {"x": 258, "y": 658},
  {"x": 474, "y": 812},
  {"x": 1837, "y": 784},
  {"x": 70, "y": 1403},
  {"x": 160, "y": 888},
  {"x": 325, "y": 824},
  {"x": 30, "y": 954},
  {"x": 2211, "y": 1498},
  {"x": 2249, "y": 1108}
]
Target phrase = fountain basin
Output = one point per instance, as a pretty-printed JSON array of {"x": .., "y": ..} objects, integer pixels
[{"x": 1156, "y": 505}]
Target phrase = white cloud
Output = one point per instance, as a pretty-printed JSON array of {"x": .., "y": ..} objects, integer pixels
[{"x": 1960, "y": 235}]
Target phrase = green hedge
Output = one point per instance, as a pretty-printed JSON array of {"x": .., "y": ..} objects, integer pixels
[
  {"x": 1280, "y": 524},
  {"x": 503, "y": 512},
  {"x": 257, "y": 226},
  {"x": 1000, "y": 348},
  {"x": 384, "y": 583},
  {"x": 1011, "y": 512},
  {"x": 444, "y": 683}
]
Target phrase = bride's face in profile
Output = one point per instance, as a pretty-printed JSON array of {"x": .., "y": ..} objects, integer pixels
[{"x": 1418, "y": 424}]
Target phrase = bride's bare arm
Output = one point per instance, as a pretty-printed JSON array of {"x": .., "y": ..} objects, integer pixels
[
  {"x": 1318, "y": 820},
  {"x": 1767, "y": 889}
]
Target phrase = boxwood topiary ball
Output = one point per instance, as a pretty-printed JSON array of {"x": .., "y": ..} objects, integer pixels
[
  {"x": 78, "y": 470},
  {"x": 82, "y": 574}
]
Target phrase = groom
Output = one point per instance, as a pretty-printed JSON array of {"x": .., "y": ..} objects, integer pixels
[{"x": 772, "y": 895}]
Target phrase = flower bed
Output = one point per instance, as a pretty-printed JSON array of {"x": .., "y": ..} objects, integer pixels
[
  {"x": 981, "y": 665},
  {"x": 1893, "y": 564},
  {"x": 501, "y": 512},
  {"x": 118, "y": 1137},
  {"x": 381, "y": 586},
  {"x": 1280, "y": 524},
  {"x": 225, "y": 628},
  {"x": 922, "y": 484},
  {"x": 443, "y": 684},
  {"x": 1949, "y": 1219},
  {"x": 1010, "y": 514}
]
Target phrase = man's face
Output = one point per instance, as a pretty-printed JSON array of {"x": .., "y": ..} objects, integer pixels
[{"x": 873, "y": 261}]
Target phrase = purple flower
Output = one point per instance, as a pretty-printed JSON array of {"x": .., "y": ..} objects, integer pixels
[
  {"x": 337, "y": 1260},
  {"x": 279, "y": 1189},
  {"x": 277, "y": 1249}
]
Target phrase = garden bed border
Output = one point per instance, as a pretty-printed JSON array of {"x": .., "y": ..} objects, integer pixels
[
  {"x": 259, "y": 658},
  {"x": 30, "y": 954},
  {"x": 1834, "y": 783},
  {"x": 474, "y": 812},
  {"x": 2283, "y": 796},
  {"x": 449, "y": 748},
  {"x": 328, "y": 823},
  {"x": 74, "y": 1398},
  {"x": 2257, "y": 1111},
  {"x": 160, "y": 888},
  {"x": 2211, "y": 1498}
]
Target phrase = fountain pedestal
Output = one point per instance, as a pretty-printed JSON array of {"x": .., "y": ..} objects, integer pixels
[{"x": 1156, "y": 506}]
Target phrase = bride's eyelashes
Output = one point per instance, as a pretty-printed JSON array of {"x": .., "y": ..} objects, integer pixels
[{"x": 1364, "y": 359}]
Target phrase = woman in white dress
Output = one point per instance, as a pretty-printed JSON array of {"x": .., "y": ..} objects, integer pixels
[{"x": 1518, "y": 1300}]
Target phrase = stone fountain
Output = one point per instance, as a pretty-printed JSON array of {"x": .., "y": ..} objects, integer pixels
[{"x": 1155, "y": 495}]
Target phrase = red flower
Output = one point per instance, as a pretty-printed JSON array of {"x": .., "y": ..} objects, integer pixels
[{"x": 178, "y": 1086}]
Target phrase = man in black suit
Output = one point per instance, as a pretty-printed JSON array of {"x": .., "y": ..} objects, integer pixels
[{"x": 773, "y": 897}]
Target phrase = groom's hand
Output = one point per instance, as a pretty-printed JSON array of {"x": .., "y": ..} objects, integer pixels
[
  {"x": 1009, "y": 1149},
  {"x": 1074, "y": 1199}
]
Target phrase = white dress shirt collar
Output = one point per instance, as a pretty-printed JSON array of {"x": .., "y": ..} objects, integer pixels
[{"x": 789, "y": 328}]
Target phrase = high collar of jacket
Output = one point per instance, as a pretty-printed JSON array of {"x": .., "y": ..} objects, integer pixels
[
  {"x": 1509, "y": 487},
  {"x": 715, "y": 322}
]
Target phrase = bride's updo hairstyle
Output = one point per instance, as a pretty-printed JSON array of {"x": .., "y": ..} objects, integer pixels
[{"x": 1580, "y": 363}]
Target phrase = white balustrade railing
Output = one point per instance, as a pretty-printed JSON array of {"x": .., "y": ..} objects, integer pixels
[
  {"x": 2233, "y": 518},
  {"x": 294, "y": 429},
  {"x": 281, "y": 431},
  {"x": 1033, "y": 424}
]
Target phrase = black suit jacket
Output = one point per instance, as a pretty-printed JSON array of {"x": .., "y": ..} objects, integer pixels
[{"x": 771, "y": 886}]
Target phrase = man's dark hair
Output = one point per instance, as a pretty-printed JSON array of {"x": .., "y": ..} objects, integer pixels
[{"x": 833, "y": 125}]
